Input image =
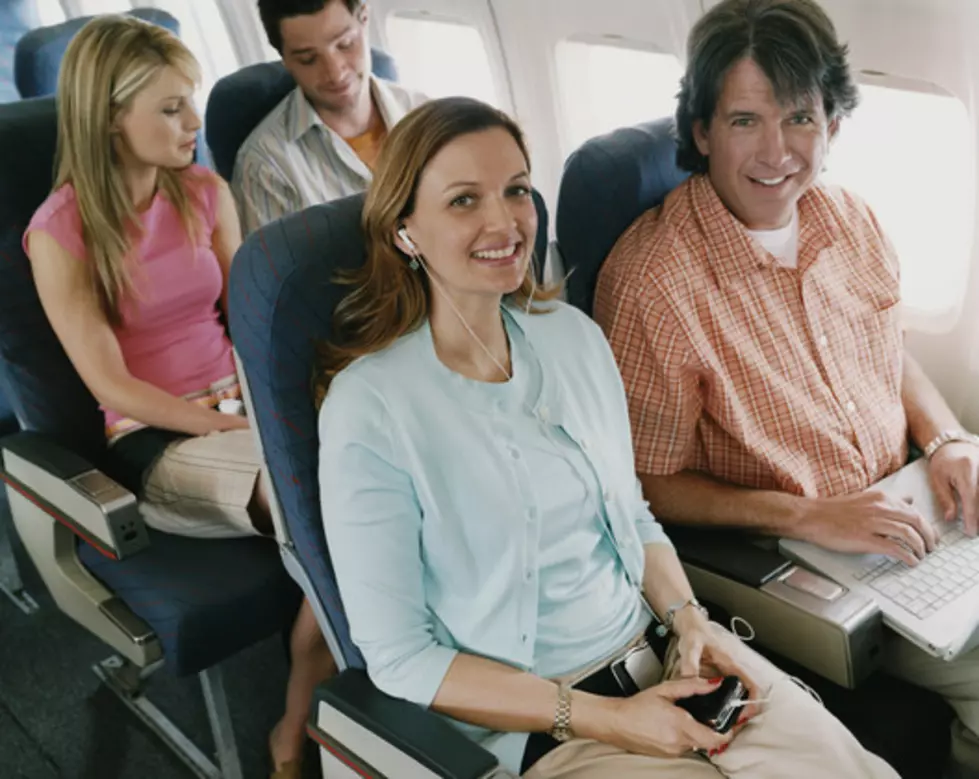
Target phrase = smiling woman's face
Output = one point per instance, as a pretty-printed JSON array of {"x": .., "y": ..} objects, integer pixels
[{"x": 474, "y": 219}]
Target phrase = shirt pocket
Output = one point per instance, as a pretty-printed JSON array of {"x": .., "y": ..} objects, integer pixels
[{"x": 874, "y": 317}]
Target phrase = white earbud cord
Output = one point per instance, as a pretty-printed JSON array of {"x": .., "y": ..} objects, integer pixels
[
  {"x": 448, "y": 299},
  {"x": 735, "y": 622}
]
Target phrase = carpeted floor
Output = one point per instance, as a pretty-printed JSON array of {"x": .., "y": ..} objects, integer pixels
[{"x": 57, "y": 721}]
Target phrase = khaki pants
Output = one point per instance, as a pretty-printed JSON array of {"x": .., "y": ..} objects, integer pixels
[
  {"x": 793, "y": 738},
  {"x": 957, "y": 682},
  {"x": 202, "y": 486}
]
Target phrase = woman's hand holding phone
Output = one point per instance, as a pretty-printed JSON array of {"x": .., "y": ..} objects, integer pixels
[{"x": 649, "y": 723}]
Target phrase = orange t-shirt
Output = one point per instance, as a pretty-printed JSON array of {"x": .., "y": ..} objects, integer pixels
[{"x": 368, "y": 145}]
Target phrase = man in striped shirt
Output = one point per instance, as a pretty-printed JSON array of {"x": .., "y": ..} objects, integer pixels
[
  {"x": 321, "y": 141},
  {"x": 755, "y": 317}
]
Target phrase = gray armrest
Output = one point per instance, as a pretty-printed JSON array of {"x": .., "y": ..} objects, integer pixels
[
  {"x": 795, "y": 612},
  {"x": 70, "y": 490},
  {"x": 379, "y": 735}
]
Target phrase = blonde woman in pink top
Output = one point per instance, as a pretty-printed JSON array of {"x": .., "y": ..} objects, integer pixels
[{"x": 131, "y": 254}]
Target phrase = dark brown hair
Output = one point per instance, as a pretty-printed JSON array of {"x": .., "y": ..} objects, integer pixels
[{"x": 792, "y": 41}]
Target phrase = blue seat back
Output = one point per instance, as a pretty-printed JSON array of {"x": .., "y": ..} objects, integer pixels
[
  {"x": 36, "y": 376},
  {"x": 39, "y": 53},
  {"x": 607, "y": 184},
  {"x": 283, "y": 292},
  {"x": 240, "y": 100},
  {"x": 16, "y": 18}
]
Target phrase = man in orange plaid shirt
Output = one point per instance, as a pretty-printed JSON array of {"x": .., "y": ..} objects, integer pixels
[{"x": 755, "y": 318}]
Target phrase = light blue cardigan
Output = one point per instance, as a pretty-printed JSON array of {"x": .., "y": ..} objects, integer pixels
[{"x": 429, "y": 515}]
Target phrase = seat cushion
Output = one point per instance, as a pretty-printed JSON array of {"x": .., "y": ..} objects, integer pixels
[{"x": 204, "y": 599}]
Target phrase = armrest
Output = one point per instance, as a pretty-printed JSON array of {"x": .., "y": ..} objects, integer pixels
[
  {"x": 378, "y": 735},
  {"x": 73, "y": 492},
  {"x": 728, "y": 554},
  {"x": 795, "y": 612}
]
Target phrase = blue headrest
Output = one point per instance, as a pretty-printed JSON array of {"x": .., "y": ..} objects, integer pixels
[
  {"x": 607, "y": 184},
  {"x": 240, "y": 100},
  {"x": 36, "y": 376},
  {"x": 283, "y": 292},
  {"x": 16, "y": 18},
  {"x": 39, "y": 53}
]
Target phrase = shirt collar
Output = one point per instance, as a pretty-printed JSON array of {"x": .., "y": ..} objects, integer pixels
[
  {"x": 303, "y": 117},
  {"x": 730, "y": 251}
]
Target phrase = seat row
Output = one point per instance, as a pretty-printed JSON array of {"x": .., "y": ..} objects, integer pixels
[{"x": 157, "y": 598}]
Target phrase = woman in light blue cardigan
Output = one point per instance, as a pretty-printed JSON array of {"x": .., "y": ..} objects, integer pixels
[{"x": 491, "y": 544}]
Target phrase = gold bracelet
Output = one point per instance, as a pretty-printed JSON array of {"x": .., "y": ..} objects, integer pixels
[{"x": 561, "y": 731}]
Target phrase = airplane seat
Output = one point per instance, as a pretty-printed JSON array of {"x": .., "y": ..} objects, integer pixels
[
  {"x": 16, "y": 18},
  {"x": 833, "y": 641},
  {"x": 240, "y": 100},
  {"x": 587, "y": 224},
  {"x": 154, "y": 598},
  {"x": 283, "y": 292},
  {"x": 38, "y": 55}
]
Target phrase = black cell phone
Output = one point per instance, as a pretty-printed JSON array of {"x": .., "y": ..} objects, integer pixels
[{"x": 717, "y": 710}]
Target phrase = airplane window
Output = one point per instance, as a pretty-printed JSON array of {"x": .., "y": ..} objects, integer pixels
[
  {"x": 270, "y": 54},
  {"x": 255, "y": 20},
  {"x": 203, "y": 30},
  {"x": 885, "y": 153},
  {"x": 104, "y": 6},
  {"x": 441, "y": 58},
  {"x": 50, "y": 12},
  {"x": 604, "y": 86}
]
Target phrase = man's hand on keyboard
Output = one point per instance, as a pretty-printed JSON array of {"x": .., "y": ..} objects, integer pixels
[
  {"x": 868, "y": 522},
  {"x": 954, "y": 473}
]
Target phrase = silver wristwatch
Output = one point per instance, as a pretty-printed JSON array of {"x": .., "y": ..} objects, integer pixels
[
  {"x": 670, "y": 615},
  {"x": 946, "y": 437}
]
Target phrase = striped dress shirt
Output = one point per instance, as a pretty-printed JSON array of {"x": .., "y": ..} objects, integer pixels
[
  {"x": 757, "y": 374},
  {"x": 292, "y": 160}
]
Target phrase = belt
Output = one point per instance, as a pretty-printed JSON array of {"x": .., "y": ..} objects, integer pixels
[{"x": 599, "y": 682}]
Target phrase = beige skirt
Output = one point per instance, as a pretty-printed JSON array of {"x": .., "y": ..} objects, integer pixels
[{"x": 202, "y": 487}]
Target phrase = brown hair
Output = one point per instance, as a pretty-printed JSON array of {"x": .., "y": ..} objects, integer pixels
[
  {"x": 390, "y": 299},
  {"x": 792, "y": 41}
]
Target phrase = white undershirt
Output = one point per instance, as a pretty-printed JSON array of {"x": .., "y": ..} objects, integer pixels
[{"x": 783, "y": 243}]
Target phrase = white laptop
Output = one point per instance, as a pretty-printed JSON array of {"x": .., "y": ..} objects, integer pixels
[{"x": 934, "y": 604}]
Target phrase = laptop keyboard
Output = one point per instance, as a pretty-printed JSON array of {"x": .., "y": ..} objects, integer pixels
[{"x": 945, "y": 574}]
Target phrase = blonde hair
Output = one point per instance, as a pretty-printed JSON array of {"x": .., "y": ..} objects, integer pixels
[
  {"x": 389, "y": 298},
  {"x": 109, "y": 61}
]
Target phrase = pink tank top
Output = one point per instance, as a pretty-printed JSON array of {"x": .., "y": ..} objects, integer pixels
[{"x": 170, "y": 334}]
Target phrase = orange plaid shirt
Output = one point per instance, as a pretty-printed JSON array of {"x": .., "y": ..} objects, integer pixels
[{"x": 757, "y": 374}]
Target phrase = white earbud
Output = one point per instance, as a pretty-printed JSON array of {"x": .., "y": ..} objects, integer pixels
[{"x": 403, "y": 232}]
